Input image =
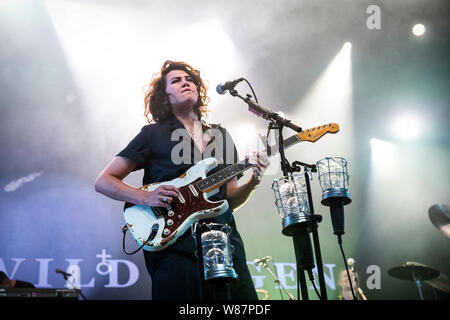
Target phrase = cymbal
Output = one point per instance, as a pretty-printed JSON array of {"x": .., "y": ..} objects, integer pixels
[
  {"x": 441, "y": 283},
  {"x": 412, "y": 271},
  {"x": 439, "y": 215}
]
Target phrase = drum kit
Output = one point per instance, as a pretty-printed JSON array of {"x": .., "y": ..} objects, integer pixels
[{"x": 439, "y": 215}]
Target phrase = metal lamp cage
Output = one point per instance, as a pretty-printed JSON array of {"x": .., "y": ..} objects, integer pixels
[
  {"x": 291, "y": 199},
  {"x": 217, "y": 252},
  {"x": 333, "y": 179}
]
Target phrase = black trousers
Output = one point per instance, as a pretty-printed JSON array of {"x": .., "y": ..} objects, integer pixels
[{"x": 176, "y": 276}]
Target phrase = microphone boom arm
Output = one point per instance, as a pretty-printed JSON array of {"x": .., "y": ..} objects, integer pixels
[{"x": 266, "y": 113}]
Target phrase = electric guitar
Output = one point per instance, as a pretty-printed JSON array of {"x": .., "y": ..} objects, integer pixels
[{"x": 156, "y": 228}]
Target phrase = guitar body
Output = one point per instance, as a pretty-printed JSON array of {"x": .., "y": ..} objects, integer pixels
[{"x": 158, "y": 228}]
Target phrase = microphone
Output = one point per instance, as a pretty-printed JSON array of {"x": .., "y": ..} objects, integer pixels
[
  {"x": 224, "y": 87},
  {"x": 303, "y": 250},
  {"x": 258, "y": 262},
  {"x": 359, "y": 293},
  {"x": 65, "y": 274},
  {"x": 337, "y": 216},
  {"x": 351, "y": 263}
]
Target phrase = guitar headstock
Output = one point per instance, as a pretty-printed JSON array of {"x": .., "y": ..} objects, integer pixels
[{"x": 314, "y": 134}]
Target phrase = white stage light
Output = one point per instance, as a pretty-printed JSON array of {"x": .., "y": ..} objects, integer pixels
[
  {"x": 384, "y": 153},
  {"x": 418, "y": 29},
  {"x": 406, "y": 127},
  {"x": 330, "y": 100},
  {"x": 246, "y": 138},
  {"x": 112, "y": 51}
]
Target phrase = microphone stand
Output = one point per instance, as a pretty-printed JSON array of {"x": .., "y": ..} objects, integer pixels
[
  {"x": 315, "y": 220},
  {"x": 359, "y": 293},
  {"x": 301, "y": 238},
  {"x": 66, "y": 277},
  {"x": 266, "y": 113},
  {"x": 277, "y": 281},
  {"x": 296, "y": 238}
]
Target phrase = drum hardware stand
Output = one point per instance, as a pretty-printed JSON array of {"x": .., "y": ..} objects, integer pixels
[{"x": 418, "y": 284}]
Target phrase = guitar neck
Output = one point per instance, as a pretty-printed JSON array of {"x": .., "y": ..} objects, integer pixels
[
  {"x": 289, "y": 142},
  {"x": 219, "y": 178},
  {"x": 311, "y": 135}
]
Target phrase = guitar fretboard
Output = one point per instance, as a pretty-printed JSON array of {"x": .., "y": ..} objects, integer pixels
[
  {"x": 287, "y": 143},
  {"x": 233, "y": 170},
  {"x": 223, "y": 175}
]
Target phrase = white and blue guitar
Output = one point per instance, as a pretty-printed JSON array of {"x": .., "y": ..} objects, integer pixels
[{"x": 156, "y": 228}]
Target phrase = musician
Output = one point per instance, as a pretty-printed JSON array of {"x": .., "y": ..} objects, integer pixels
[
  {"x": 344, "y": 284},
  {"x": 176, "y": 101}
]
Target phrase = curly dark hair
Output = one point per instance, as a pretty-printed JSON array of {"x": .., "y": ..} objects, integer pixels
[{"x": 156, "y": 102}]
